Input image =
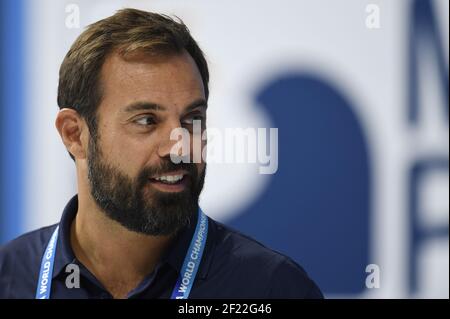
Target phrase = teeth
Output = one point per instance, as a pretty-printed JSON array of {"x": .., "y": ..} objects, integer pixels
[{"x": 169, "y": 179}]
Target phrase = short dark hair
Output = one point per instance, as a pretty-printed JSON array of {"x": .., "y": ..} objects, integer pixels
[{"x": 127, "y": 31}]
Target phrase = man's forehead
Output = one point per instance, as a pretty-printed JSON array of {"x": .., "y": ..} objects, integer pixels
[
  {"x": 158, "y": 80},
  {"x": 141, "y": 63}
]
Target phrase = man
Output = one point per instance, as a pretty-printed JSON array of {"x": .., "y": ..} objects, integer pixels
[{"x": 135, "y": 229}]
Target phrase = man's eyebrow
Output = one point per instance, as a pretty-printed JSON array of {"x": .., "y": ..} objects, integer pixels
[
  {"x": 150, "y": 106},
  {"x": 195, "y": 104},
  {"x": 141, "y": 105}
]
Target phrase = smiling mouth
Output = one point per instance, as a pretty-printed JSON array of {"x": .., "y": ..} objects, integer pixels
[{"x": 170, "y": 182}]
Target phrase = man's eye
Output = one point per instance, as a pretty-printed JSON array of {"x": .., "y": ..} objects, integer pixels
[
  {"x": 147, "y": 120},
  {"x": 190, "y": 120}
]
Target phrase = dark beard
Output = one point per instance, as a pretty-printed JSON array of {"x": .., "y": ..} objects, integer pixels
[{"x": 129, "y": 202}]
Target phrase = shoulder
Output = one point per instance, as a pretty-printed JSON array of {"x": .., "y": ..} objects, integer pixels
[
  {"x": 20, "y": 258},
  {"x": 26, "y": 243},
  {"x": 273, "y": 273}
]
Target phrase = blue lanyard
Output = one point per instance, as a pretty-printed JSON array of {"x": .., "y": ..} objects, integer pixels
[
  {"x": 45, "y": 274},
  {"x": 185, "y": 280}
]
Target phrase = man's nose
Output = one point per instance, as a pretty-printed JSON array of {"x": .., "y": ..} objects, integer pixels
[{"x": 171, "y": 147}]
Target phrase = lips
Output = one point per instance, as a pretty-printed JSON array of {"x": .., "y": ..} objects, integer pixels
[
  {"x": 169, "y": 179},
  {"x": 170, "y": 182}
]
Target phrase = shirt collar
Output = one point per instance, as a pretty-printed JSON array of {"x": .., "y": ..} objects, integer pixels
[
  {"x": 174, "y": 256},
  {"x": 64, "y": 253}
]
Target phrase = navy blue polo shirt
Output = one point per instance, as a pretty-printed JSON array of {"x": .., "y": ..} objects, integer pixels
[{"x": 233, "y": 266}]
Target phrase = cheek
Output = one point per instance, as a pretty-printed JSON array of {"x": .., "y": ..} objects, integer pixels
[
  {"x": 204, "y": 153},
  {"x": 127, "y": 154},
  {"x": 199, "y": 152},
  {"x": 200, "y": 168}
]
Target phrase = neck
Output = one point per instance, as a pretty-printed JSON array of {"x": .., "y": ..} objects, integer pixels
[{"x": 117, "y": 257}]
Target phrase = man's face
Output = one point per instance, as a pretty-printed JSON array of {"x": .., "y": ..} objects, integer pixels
[{"x": 131, "y": 175}]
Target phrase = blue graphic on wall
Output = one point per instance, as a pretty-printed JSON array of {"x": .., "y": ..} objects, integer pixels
[
  {"x": 316, "y": 208},
  {"x": 424, "y": 32}
]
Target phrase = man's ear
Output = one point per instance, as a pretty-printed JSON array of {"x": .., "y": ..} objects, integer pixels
[{"x": 72, "y": 129}]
